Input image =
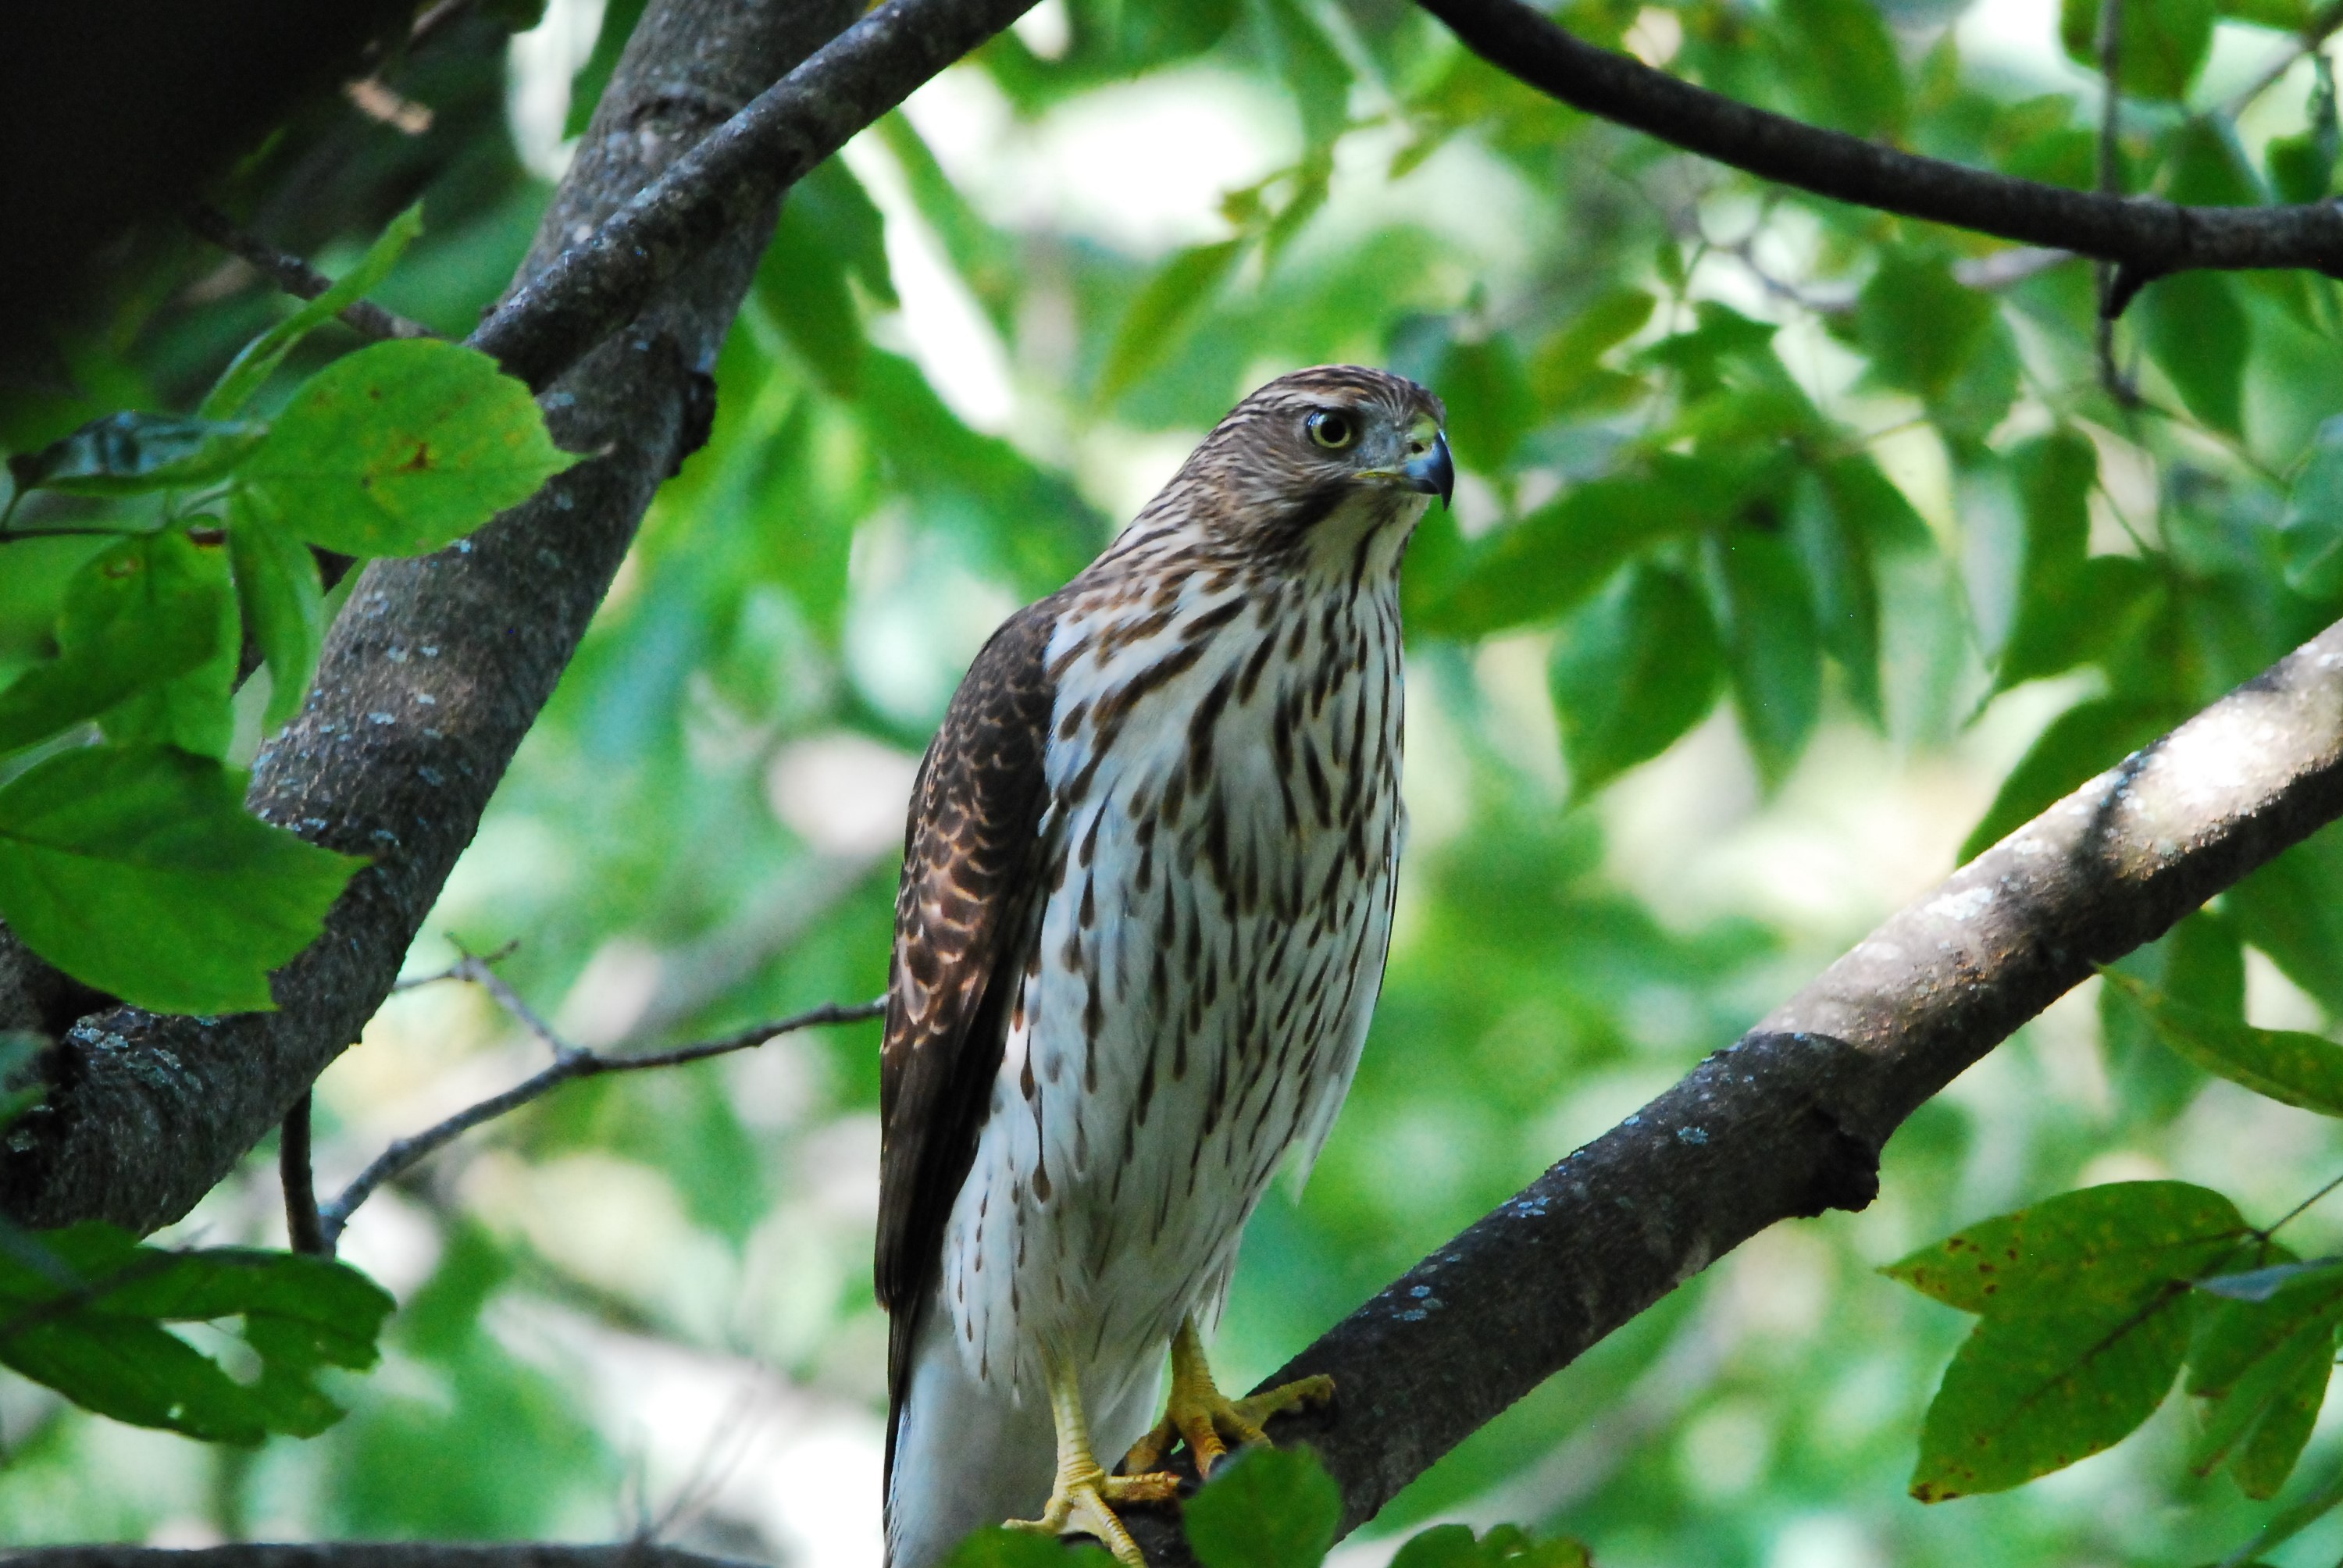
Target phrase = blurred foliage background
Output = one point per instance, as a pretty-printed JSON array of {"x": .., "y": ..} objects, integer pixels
[{"x": 1797, "y": 546}]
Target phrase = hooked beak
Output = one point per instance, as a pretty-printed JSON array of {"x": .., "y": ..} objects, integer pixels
[{"x": 1434, "y": 473}]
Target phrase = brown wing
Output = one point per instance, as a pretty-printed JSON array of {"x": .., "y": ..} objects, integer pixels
[{"x": 971, "y": 866}]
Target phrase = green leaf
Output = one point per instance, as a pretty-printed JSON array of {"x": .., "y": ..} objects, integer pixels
[
  {"x": 1632, "y": 671},
  {"x": 1771, "y": 648},
  {"x": 829, "y": 233},
  {"x": 1833, "y": 549},
  {"x": 2200, "y": 963},
  {"x": 2260, "y": 1364},
  {"x": 1490, "y": 404},
  {"x": 1313, "y": 70},
  {"x": 136, "y": 870},
  {"x": 192, "y": 711},
  {"x": 2029, "y": 1396},
  {"x": 1267, "y": 1508},
  {"x": 1566, "y": 372},
  {"x": 139, "y": 614},
  {"x": 2201, "y": 336},
  {"x": 277, "y": 579},
  {"x": 2311, "y": 530},
  {"x": 95, "y": 1335},
  {"x": 2280, "y": 15},
  {"x": 1151, "y": 326},
  {"x": 2079, "y": 745},
  {"x": 2162, "y": 43},
  {"x": 400, "y": 448},
  {"x": 131, "y": 453},
  {"x": 2289, "y": 911},
  {"x": 2115, "y": 1247},
  {"x": 2286, "y": 1065},
  {"x": 259, "y": 359},
  {"x": 1555, "y": 557},
  {"x": 1846, "y": 65},
  {"x": 994, "y": 1547},
  {"x": 1505, "y": 1546},
  {"x": 1919, "y": 324}
]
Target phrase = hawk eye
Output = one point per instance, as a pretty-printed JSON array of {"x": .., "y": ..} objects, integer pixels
[{"x": 1332, "y": 429}]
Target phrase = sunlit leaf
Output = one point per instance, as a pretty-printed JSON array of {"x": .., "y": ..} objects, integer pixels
[
  {"x": 2162, "y": 43},
  {"x": 2287, "y": 1065},
  {"x": 1311, "y": 67},
  {"x": 139, "y": 870},
  {"x": 2028, "y": 1395},
  {"x": 147, "y": 611},
  {"x": 1847, "y": 64},
  {"x": 259, "y": 359},
  {"x": 2201, "y": 337},
  {"x": 400, "y": 448},
  {"x": 2259, "y": 1364},
  {"x": 96, "y": 1336},
  {"x": 277, "y": 579},
  {"x": 1269, "y": 1508},
  {"x": 2115, "y": 1247}
]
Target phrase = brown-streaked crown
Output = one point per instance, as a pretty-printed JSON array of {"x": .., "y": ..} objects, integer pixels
[{"x": 1300, "y": 445}]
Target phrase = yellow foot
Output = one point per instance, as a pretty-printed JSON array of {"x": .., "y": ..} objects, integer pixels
[
  {"x": 1207, "y": 1420},
  {"x": 1085, "y": 1504}
]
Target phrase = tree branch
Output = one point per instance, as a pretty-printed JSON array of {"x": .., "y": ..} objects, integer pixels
[
  {"x": 435, "y": 670},
  {"x": 297, "y": 277},
  {"x": 2147, "y": 238},
  {"x": 1789, "y": 1121},
  {"x": 593, "y": 286},
  {"x": 569, "y": 1063}
]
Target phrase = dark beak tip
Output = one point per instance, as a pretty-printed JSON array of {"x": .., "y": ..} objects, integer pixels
[{"x": 1435, "y": 472}]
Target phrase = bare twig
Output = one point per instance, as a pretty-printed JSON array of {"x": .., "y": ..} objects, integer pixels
[
  {"x": 2147, "y": 238},
  {"x": 2320, "y": 28},
  {"x": 303, "y": 1230},
  {"x": 465, "y": 967},
  {"x": 297, "y": 277},
  {"x": 569, "y": 1063}
]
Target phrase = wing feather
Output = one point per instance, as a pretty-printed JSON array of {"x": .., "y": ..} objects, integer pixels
[{"x": 973, "y": 857}]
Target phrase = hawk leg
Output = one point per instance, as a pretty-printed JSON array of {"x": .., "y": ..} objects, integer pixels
[
  {"x": 1083, "y": 1499},
  {"x": 1208, "y": 1420}
]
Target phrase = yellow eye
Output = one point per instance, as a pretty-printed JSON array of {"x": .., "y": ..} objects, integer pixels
[{"x": 1332, "y": 429}]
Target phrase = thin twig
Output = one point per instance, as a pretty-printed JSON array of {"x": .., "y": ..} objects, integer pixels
[
  {"x": 2320, "y": 28},
  {"x": 462, "y": 969},
  {"x": 2291, "y": 1215},
  {"x": 569, "y": 1063},
  {"x": 2103, "y": 273},
  {"x": 304, "y": 1232},
  {"x": 297, "y": 277}
]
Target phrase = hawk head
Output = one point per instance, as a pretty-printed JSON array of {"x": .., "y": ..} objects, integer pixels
[{"x": 1316, "y": 461}]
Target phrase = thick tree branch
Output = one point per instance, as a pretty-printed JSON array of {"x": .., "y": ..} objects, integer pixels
[
  {"x": 1789, "y": 1121},
  {"x": 600, "y": 280},
  {"x": 2147, "y": 238},
  {"x": 434, "y": 672}
]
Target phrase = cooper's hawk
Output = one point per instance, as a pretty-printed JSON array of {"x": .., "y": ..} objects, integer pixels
[{"x": 1146, "y": 895}]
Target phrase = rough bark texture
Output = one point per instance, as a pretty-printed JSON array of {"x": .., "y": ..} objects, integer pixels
[
  {"x": 2149, "y": 237},
  {"x": 434, "y": 672},
  {"x": 1790, "y": 1120}
]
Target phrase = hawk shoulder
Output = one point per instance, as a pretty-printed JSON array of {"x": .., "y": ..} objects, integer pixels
[{"x": 972, "y": 857}]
